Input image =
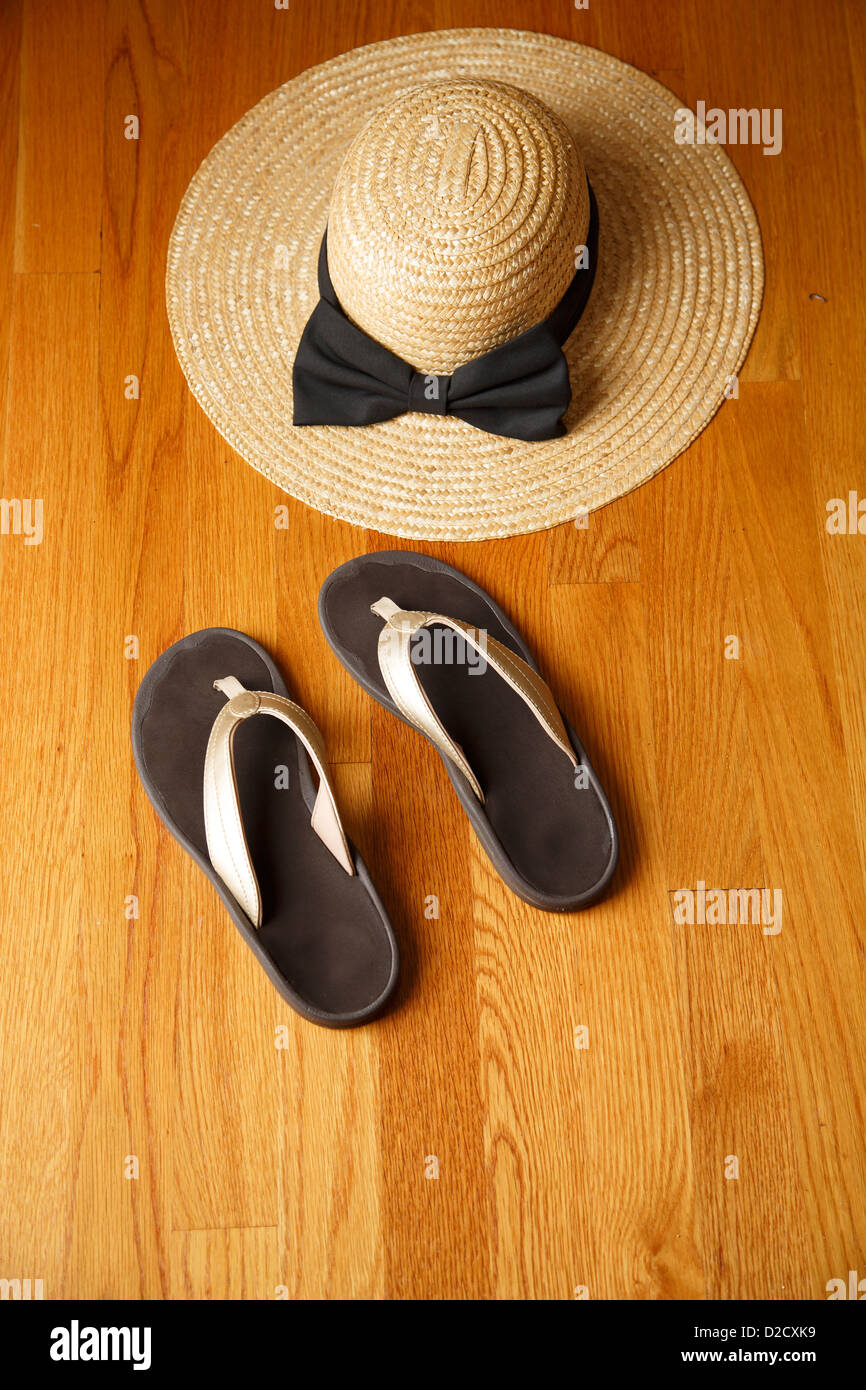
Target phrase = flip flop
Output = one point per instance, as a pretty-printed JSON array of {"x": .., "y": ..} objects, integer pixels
[
  {"x": 435, "y": 650},
  {"x": 237, "y": 791}
]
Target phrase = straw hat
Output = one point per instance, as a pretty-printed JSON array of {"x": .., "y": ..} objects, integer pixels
[{"x": 452, "y": 171}]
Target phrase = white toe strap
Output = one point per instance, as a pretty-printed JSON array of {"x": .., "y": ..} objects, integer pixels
[
  {"x": 399, "y": 675},
  {"x": 226, "y": 840}
]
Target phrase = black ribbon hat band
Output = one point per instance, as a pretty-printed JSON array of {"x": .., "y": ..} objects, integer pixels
[{"x": 520, "y": 389}]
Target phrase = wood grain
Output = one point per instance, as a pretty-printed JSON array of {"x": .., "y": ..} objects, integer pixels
[
  {"x": 605, "y": 1105},
  {"x": 59, "y": 193}
]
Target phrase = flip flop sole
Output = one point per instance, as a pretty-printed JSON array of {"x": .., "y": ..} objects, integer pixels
[
  {"x": 550, "y": 835},
  {"x": 325, "y": 942}
]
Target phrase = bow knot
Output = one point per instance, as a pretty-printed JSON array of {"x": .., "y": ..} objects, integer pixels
[{"x": 428, "y": 394}]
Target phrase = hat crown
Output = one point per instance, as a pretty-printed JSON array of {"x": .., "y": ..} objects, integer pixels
[{"x": 455, "y": 220}]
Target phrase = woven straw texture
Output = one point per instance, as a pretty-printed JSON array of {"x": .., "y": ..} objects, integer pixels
[{"x": 455, "y": 220}]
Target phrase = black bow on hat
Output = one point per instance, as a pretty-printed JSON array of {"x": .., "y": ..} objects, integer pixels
[{"x": 520, "y": 389}]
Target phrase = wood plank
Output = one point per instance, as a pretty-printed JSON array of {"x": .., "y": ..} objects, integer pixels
[
  {"x": 10, "y": 53},
  {"x": 746, "y": 76},
  {"x": 834, "y": 435},
  {"x": 805, "y": 820},
  {"x": 572, "y": 1130},
  {"x": 727, "y": 993},
  {"x": 133, "y": 484},
  {"x": 599, "y": 547},
  {"x": 225, "y": 1264},
  {"x": 304, "y": 555},
  {"x": 431, "y": 1116},
  {"x": 59, "y": 205},
  {"x": 52, "y": 948}
]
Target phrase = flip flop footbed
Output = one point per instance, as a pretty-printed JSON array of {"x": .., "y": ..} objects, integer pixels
[
  {"x": 325, "y": 939},
  {"x": 549, "y": 832}
]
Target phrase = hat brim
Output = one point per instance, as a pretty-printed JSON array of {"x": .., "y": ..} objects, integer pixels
[{"x": 672, "y": 312}]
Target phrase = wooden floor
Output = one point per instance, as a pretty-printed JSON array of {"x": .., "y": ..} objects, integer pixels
[{"x": 604, "y": 1170}]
